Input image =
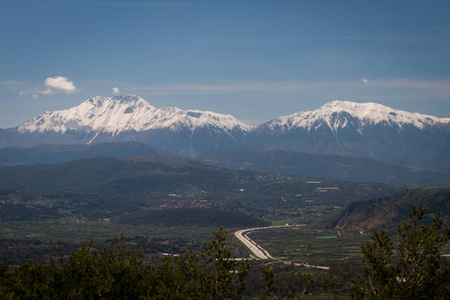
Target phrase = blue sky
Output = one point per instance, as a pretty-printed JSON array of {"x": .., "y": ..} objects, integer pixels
[{"x": 256, "y": 60}]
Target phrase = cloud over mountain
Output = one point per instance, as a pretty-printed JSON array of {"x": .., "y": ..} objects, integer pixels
[
  {"x": 60, "y": 84},
  {"x": 57, "y": 84}
]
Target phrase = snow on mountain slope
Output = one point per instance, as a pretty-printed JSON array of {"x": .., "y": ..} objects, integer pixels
[
  {"x": 335, "y": 114},
  {"x": 127, "y": 113},
  {"x": 132, "y": 113},
  {"x": 366, "y": 129}
]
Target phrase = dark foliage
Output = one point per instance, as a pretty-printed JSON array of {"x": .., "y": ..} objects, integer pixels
[
  {"x": 118, "y": 272},
  {"x": 206, "y": 217},
  {"x": 412, "y": 270},
  {"x": 330, "y": 165},
  {"x": 91, "y": 186},
  {"x": 388, "y": 210}
]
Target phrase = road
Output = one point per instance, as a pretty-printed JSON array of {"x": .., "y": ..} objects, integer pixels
[
  {"x": 258, "y": 251},
  {"x": 261, "y": 253}
]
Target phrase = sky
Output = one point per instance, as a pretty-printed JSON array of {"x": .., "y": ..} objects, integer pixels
[{"x": 255, "y": 60}]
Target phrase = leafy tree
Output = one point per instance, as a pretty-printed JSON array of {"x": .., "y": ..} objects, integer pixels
[
  {"x": 117, "y": 272},
  {"x": 212, "y": 274},
  {"x": 224, "y": 268},
  {"x": 415, "y": 270},
  {"x": 114, "y": 272},
  {"x": 267, "y": 275},
  {"x": 329, "y": 285},
  {"x": 308, "y": 281}
]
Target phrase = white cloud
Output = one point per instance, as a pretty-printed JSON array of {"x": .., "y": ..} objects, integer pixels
[
  {"x": 115, "y": 90},
  {"x": 53, "y": 85},
  {"x": 59, "y": 83},
  {"x": 48, "y": 91},
  {"x": 365, "y": 80}
]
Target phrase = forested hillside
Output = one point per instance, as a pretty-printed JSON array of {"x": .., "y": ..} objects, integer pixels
[
  {"x": 330, "y": 165},
  {"x": 389, "y": 210},
  {"x": 103, "y": 186}
]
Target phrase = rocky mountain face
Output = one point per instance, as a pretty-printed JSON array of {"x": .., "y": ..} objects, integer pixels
[
  {"x": 129, "y": 118},
  {"x": 367, "y": 129}
]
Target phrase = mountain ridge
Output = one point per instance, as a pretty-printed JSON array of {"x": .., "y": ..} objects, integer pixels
[
  {"x": 369, "y": 129},
  {"x": 365, "y": 129},
  {"x": 124, "y": 110},
  {"x": 330, "y": 165},
  {"x": 367, "y": 113},
  {"x": 126, "y": 113},
  {"x": 261, "y": 158}
]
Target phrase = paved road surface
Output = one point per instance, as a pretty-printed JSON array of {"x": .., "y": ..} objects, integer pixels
[{"x": 258, "y": 251}]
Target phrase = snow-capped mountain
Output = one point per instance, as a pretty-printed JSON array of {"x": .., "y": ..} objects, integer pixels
[
  {"x": 128, "y": 113},
  {"x": 338, "y": 114},
  {"x": 131, "y": 118},
  {"x": 367, "y": 129}
]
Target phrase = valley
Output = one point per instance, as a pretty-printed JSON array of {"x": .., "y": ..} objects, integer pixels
[
  {"x": 173, "y": 149},
  {"x": 171, "y": 205},
  {"x": 288, "y": 197}
]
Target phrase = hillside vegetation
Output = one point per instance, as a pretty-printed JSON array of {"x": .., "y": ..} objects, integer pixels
[
  {"x": 387, "y": 210},
  {"x": 112, "y": 186},
  {"x": 331, "y": 165},
  {"x": 57, "y": 154},
  {"x": 196, "y": 216},
  {"x": 261, "y": 158}
]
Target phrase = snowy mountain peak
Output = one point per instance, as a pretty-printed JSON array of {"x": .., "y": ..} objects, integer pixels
[
  {"x": 130, "y": 100},
  {"x": 353, "y": 107},
  {"x": 127, "y": 113},
  {"x": 366, "y": 129},
  {"x": 337, "y": 113}
]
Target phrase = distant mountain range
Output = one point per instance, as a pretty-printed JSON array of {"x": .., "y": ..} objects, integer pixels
[
  {"x": 331, "y": 165},
  {"x": 368, "y": 129}
]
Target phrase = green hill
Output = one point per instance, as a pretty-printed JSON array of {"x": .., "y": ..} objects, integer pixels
[
  {"x": 56, "y": 154},
  {"x": 95, "y": 186},
  {"x": 389, "y": 210},
  {"x": 331, "y": 165}
]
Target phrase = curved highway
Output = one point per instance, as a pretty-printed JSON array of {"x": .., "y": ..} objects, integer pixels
[{"x": 258, "y": 251}]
